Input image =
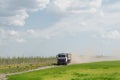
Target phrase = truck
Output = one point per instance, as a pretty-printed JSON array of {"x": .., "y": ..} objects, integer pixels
[{"x": 63, "y": 58}]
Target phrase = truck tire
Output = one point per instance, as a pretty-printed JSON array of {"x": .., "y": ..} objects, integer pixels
[{"x": 65, "y": 63}]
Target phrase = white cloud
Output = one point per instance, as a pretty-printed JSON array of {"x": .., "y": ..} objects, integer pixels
[
  {"x": 43, "y": 3},
  {"x": 20, "y": 40},
  {"x": 112, "y": 35},
  {"x": 80, "y": 23},
  {"x": 96, "y": 3},
  {"x": 11, "y": 35},
  {"x": 98, "y": 22},
  {"x": 31, "y": 31},
  {"x": 14, "y": 12},
  {"x": 77, "y": 6},
  {"x": 113, "y": 7},
  {"x": 87, "y": 16},
  {"x": 63, "y": 5},
  {"x": 19, "y": 19}
]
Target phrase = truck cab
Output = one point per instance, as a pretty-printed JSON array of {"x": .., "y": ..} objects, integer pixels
[{"x": 63, "y": 58}]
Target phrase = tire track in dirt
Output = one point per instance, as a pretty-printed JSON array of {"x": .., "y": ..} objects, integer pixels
[{"x": 3, "y": 77}]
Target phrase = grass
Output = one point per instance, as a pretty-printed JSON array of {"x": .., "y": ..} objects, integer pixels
[
  {"x": 87, "y": 71},
  {"x": 18, "y": 64}
]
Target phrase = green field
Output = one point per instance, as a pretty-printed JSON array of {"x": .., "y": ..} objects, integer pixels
[
  {"x": 87, "y": 71},
  {"x": 18, "y": 64}
]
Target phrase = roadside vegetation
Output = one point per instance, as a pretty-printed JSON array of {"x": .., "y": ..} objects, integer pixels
[
  {"x": 109, "y": 70},
  {"x": 18, "y": 64}
]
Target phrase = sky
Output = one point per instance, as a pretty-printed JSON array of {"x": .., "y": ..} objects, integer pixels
[{"x": 49, "y": 27}]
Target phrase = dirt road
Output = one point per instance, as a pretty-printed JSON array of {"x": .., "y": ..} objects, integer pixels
[
  {"x": 3, "y": 76},
  {"x": 31, "y": 70}
]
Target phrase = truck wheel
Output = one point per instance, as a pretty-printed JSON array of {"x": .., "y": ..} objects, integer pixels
[{"x": 65, "y": 63}]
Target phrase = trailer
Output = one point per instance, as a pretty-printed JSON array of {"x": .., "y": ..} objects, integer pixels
[{"x": 63, "y": 58}]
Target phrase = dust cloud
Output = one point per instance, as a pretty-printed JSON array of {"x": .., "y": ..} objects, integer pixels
[
  {"x": 76, "y": 58},
  {"x": 92, "y": 54}
]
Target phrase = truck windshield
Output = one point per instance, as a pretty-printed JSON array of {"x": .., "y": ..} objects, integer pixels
[{"x": 61, "y": 55}]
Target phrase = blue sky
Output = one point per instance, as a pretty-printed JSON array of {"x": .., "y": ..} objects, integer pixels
[{"x": 48, "y": 27}]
